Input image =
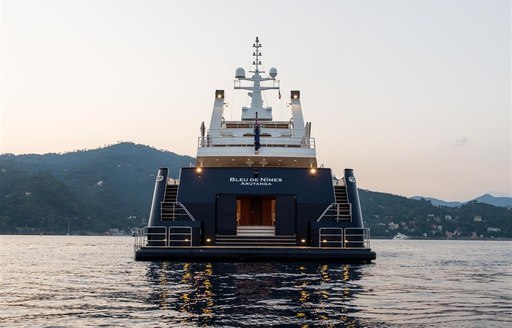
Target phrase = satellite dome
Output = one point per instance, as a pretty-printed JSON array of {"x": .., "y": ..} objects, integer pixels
[
  {"x": 240, "y": 73},
  {"x": 273, "y": 72}
]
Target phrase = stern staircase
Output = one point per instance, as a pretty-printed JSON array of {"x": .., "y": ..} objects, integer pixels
[
  {"x": 254, "y": 236},
  {"x": 341, "y": 209},
  {"x": 171, "y": 208}
]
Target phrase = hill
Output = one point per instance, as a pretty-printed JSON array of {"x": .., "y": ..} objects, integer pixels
[
  {"x": 106, "y": 186},
  {"x": 389, "y": 214},
  {"x": 438, "y": 202},
  {"x": 92, "y": 191},
  {"x": 486, "y": 199},
  {"x": 38, "y": 202},
  {"x": 496, "y": 201}
]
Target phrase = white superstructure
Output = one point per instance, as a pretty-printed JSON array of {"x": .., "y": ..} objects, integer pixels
[{"x": 256, "y": 139}]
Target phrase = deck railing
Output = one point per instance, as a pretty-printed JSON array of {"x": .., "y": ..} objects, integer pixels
[
  {"x": 182, "y": 236},
  {"x": 344, "y": 238},
  {"x": 233, "y": 141},
  {"x": 357, "y": 238},
  {"x": 330, "y": 237},
  {"x": 160, "y": 237},
  {"x": 339, "y": 182}
]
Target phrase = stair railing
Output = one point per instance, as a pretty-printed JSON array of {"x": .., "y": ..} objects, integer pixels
[
  {"x": 177, "y": 209},
  {"x": 336, "y": 208},
  {"x": 325, "y": 212},
  {"x": 340, "y": 182},
  {"x": 338, "y": 212}
]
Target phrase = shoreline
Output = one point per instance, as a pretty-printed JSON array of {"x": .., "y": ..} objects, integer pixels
[{"x": 373, "y": 237}]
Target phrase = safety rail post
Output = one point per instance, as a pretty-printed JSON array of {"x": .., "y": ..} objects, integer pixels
[
  {"x": 139, "y": 239},
  {"x": 356, "y": 238},
  {"x": 325, "y": 242},
  {"x": 368, "y": 238},
  {"x": 157, "y": 231},
  {"x": 179, "y": 234}
]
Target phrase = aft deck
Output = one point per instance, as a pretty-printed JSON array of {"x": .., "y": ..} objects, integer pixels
[{"x": 177, "y": 244}]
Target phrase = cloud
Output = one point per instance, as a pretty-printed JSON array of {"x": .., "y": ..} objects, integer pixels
[{"x": 461, "y": 142}]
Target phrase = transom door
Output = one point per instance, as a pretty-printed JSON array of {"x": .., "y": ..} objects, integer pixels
[{"x": 256, "y": 210}]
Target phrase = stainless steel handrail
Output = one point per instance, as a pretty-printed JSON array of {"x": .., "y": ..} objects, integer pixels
[
  {"x": 175, "y": 207},
  {"x": 339, "y": 182},
  {"x": 186, "y": 240},
  {"x": 137, "y": 233},
  {"x": 365, "y": 236},
  {"x": 324, "y": 242},
  {"x": 337, "y": 213},
  {"x": 276, "y": 141},
  {"x": 142, "y": 240},
  {"x": 186, "y": 210},
  {"x": 362, "y": 236}
]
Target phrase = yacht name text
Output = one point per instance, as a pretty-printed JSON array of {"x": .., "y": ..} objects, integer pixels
[{"x": 255, "y": 181}]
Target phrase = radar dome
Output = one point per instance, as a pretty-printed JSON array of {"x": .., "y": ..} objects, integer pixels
[
  {"x": 272, "y": 72},
  {"x": 240, "y": 73}
]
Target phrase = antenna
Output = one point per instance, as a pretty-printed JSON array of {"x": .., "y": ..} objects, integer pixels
[
  {"x": 257, "y": 55},
  {"x": 249, "y": 113}
]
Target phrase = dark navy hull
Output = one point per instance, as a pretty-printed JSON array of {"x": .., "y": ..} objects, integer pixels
[{"x": 242, "y": 254}]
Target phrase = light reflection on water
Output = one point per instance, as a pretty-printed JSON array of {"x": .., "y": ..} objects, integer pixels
[
  {"x": 255, "y": 293},
  {"x": 94, "y": 281}
]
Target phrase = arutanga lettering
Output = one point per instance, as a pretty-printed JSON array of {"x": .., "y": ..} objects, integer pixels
[{"x": 255, "y": 181}]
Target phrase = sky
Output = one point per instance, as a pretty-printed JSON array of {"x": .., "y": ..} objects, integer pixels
[{"x": 414, "y": 95}]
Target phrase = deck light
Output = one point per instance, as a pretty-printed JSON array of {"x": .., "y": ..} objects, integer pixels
[
  {"x": 199, "y": 170},
  {"x": 295, "y": 94},
  {"x": 219, "y": 94},
  {"x": 312, "y": 171},
  {"x": 303, "y": 241},
  {"x": 324, "y": 241},
  {"x": 186, "y": 239},
  {"x": 208, "y": 240}
]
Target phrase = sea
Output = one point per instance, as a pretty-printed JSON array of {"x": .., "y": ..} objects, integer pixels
[{"x": 84, "y": 281}]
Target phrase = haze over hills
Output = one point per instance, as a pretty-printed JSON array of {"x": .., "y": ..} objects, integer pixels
[
  {"x": 92, "y": 191},
  {"x": 486, "y": 199}
]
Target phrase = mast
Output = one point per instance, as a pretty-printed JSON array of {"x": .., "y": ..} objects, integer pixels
[{"x": 249, "y": 113}]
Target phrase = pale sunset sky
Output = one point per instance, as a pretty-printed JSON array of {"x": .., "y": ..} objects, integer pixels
[{"x": 414, "y": 95}]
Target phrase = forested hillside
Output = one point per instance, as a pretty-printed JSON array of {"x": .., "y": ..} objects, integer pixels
[
  {"x": 92, "y": 191},
  {"x": 389, "y": 214}
]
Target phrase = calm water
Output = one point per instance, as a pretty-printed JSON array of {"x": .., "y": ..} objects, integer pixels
[{"x": 94, "y": 282}]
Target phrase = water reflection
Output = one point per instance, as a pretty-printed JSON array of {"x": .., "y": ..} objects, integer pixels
[{"x": 250, "y": 294}]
